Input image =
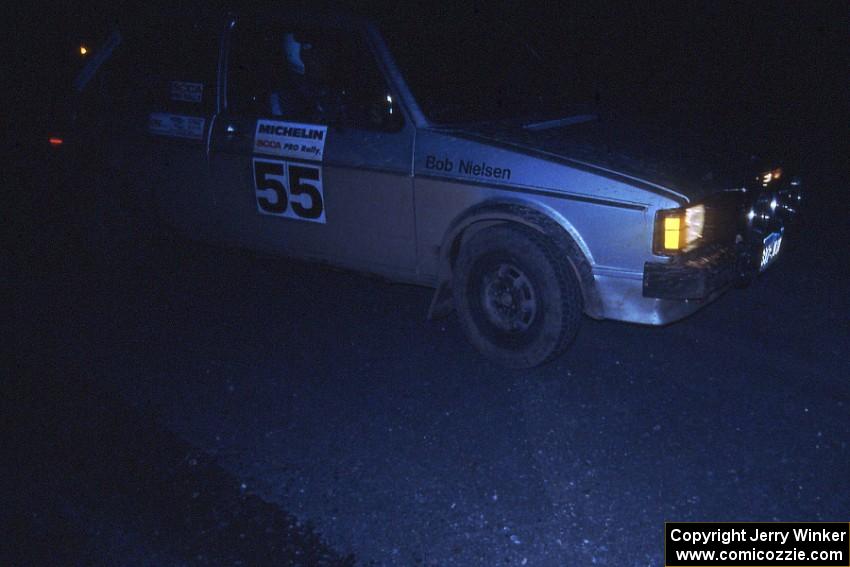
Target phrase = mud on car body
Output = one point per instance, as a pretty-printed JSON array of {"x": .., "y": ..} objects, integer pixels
[{"x": 305, "y": 136}]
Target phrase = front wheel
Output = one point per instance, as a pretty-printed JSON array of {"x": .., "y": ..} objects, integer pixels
[{"x": 517, "y": 296}]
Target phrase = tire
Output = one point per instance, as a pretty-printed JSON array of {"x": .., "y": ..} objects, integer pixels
[{"x": 518, "y": 298}]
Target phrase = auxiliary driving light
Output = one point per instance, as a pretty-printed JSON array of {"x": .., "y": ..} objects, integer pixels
[{"x": 769, "y": 176}]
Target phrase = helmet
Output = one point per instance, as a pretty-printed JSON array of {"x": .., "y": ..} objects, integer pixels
[{"x": 292, "y": 52}]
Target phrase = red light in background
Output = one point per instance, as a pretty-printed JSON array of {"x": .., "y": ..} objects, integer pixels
[{"x": 54, "y": 141}]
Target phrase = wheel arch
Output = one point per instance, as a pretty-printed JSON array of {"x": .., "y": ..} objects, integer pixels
[{"x": 533, "y": 215}]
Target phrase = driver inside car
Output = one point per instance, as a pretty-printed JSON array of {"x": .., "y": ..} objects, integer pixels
[{"x": 305, "y": 92}]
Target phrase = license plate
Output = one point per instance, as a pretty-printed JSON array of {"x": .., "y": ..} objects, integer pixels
[{"x": 770, "y": 250}]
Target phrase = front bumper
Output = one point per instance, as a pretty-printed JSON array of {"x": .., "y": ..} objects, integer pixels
[
  {"x": 694, "y": 275},
  {"x": 704, "y": 272}
]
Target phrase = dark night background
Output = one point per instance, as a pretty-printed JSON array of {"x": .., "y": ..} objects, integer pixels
[{"x": 167, "y": 405}]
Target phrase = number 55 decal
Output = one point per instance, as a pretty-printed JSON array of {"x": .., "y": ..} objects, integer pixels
[{"x": 287, "y": 189}]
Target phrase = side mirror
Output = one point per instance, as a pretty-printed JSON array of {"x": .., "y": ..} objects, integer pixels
[{"x": 385, "y": 114}]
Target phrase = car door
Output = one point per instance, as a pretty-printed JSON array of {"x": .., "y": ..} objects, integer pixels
[
  {"x": 311, "y": 157},
  {"x": 178, "y": 66}
]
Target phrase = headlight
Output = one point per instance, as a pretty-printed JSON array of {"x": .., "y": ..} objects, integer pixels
[{"x": 678, "y": 230}]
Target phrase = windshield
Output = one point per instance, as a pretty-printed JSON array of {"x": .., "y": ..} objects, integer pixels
[{"x": 464, "y": 71}]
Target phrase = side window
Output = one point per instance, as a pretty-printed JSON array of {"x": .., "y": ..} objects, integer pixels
[
  {"x": 167, "y": 71},
  {"x": 185, "y": 78},
  {"x": 139, "y": 71},
  {"x": 312, "y": 75}
]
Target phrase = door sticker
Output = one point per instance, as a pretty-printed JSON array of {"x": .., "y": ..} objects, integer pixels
[
  {"x": 176, "y": 125},
  {"x": 289, "y": 189},
  {"x": 290, "y": 139}
]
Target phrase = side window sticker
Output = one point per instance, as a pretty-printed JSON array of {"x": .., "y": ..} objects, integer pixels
[
  {"x": 186, "y": 92},
  {"x": 176, "y": 126}
]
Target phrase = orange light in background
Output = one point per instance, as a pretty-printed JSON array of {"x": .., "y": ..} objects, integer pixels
[
  {"x": 54, "y": 141},
  {"x": 84, "y": 50}
]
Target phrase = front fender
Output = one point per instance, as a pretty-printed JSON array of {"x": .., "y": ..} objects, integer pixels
[{"x": 548, "y": 222}]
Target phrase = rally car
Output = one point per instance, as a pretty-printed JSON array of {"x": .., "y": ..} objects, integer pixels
[{"x": 314, "y": 138}]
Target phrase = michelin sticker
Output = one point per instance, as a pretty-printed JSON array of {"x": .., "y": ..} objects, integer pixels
[
  {"x": 176, "y": 126},
  {"x": 186, "y": 92},
  {"x": 290, "y": 139}
]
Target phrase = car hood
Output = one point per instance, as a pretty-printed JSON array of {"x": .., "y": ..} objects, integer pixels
[{"x": 686, "y": 161}]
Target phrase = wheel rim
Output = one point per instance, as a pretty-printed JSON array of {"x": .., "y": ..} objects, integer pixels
[{"x": 507, "y": 298}]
